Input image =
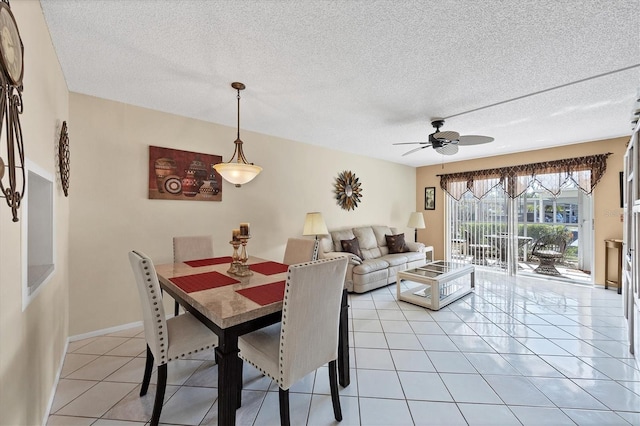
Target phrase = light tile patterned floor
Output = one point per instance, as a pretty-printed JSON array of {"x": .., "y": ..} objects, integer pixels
[{"x": 516, "y": 351}]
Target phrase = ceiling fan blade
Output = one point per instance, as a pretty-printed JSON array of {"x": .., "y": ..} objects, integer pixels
[
  {"x": 447, "y": 149},
  {"x": 408, "y": 143},
  {"x": 447, "y": 135},
  {"x": 415, "y": 150},
  {"x": 474, "y": 140}
]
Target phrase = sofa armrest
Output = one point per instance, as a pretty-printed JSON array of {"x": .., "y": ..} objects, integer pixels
[
  {"x": 415, "y": 246},
  {"x": 353, "y": 259}
]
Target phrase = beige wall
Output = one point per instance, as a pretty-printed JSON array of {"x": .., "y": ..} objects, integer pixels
[
  {"x": 32, "y": 342},
  {"x": 606, "y": 211},
  {"x": 111, "y": 213}
]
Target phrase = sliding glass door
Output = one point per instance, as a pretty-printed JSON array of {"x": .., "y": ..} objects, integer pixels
[{"x": 499, "y": 232}]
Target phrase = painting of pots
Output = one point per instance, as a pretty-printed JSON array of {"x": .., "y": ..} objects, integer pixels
[{"x": 183, "y": 175}]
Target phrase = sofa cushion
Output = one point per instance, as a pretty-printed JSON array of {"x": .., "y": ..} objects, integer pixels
[
  {"x": 351, "y": 246},
  {"x": 415, "y": 256},
  {"x": 380, "y": 232},
  {"x": 370, "y": 265},
  {"x": 395, "y": 259},
  {"x": 396, "y": 243},
  {"x": 339, "y": 235},
  {"x": 368, "y": 242}
]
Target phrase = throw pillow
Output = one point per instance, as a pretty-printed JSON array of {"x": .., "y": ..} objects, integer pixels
[
  {"x": 396, "y": 243},
  {"x": 351, "y": 246}
]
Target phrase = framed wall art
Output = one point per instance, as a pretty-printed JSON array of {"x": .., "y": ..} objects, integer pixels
[
  {"x": 430, "y": 198},
  {"x": 183, "y": 175}
]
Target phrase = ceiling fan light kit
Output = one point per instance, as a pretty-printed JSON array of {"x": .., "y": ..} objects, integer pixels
[{"x": 446, "y": 142}]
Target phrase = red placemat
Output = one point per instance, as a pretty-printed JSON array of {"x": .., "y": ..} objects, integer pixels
[
  {"x": 208, "y": 262},
  {"x": 264, "y": 294},
  {"x": 199, "y": 282},
  {"x": 269, "y": 268}
]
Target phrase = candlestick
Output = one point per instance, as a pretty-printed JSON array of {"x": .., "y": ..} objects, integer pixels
[
  {"x": 242, "y": 269},
  {"x": 235, "y": 263}
]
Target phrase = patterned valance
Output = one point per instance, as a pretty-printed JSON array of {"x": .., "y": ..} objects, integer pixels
[{"x": 585, "y": 172}]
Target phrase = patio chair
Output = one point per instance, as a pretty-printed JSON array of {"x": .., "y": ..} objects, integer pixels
[
  {"x": 480, "y": 252},
  {"x": 549, "y": 249}
]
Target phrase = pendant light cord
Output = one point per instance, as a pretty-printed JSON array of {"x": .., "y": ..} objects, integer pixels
[{"x": 238, "y": 113}]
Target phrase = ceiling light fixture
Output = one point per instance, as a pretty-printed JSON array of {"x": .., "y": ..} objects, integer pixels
[{"x": 240, "y": 171}]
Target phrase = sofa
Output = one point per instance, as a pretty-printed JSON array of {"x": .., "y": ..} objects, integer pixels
[{"x": 379, "y": 253}]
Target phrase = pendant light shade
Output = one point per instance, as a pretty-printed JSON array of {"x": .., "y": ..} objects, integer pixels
[{"x": 240, "y": 171}]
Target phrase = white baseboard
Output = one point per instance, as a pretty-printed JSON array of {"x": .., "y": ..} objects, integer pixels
[
  {"x": 105, "y": 331},
  {"x": 52, "y": 394}
]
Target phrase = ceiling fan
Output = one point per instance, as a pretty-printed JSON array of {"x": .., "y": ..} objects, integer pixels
[{"x": 446, "y": 142}]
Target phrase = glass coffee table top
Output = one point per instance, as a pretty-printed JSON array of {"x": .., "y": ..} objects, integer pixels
[{"x": 437, "y": 268}]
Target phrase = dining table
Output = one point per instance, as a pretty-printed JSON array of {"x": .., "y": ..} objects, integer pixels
[{"x": 233, "y": 305}]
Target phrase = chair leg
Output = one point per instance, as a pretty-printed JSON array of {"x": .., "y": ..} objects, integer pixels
[
  {"x": 335, "y": 397},
  {"x": 284, "y": 407},
  {"x": 147, "y": 373},
  {"x": 160, "y": 388},
  {"x": 240, "y": 363},
  {"x": 177, "y": 311}
]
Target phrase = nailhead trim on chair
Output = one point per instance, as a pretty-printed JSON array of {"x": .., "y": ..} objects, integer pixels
[{"x": 163, "y": 357}]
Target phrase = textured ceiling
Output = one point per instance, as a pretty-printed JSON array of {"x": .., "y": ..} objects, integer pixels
[{"x": 358, "y": 76}]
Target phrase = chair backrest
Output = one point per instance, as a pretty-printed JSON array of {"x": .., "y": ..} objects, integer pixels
[
  {"x": 192, "y": 248},
  {"x": 155, "y": 324},
  {"x": 550, "y": 243},
  {"x": 310, "y": 317},
  {"x": 300, "y": 250}
]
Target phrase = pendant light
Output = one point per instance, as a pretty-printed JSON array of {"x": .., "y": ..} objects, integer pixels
[{"x": 240, "y": 171}]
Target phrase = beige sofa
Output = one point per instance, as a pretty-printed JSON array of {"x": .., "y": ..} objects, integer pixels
[{"x": 376, "y": 267}]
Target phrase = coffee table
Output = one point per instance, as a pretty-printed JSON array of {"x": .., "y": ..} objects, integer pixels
[{"x": 435, "y": 284}]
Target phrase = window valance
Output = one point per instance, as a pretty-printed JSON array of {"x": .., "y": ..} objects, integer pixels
[{"x": 585, "y": 172}]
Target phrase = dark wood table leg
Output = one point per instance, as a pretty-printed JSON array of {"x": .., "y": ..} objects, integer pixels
[
  {"x": 229, "y": 377},
  {"x": 343, "y": 343}
]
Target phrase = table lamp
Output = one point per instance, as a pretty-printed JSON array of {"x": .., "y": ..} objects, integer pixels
[
  {"x": 314, "y": 225},
  {"x": 416, "y": 221}
]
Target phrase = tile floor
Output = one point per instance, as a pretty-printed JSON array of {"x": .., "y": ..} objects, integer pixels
[{"x": 516, "y": 351}]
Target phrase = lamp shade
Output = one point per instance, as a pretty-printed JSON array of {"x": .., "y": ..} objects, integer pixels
[
  {"x": 314, "y": 224},
  {"x": 237, "y": 173},
  {"x": 416, "y": 220}
]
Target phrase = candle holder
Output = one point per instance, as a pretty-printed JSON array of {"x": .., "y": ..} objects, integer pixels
[
  {"x": 239, "y": 265},
  {"x": 235, "y": 263},
  {"x": 243, "y": 268}
]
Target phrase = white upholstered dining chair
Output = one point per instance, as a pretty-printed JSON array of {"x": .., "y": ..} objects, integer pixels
[
  {"x": 191, "y": 248},
  {"x": 307, "y": 336},
  {"x": 167, "y": 339},
  {"x": 299, "y": 250}
]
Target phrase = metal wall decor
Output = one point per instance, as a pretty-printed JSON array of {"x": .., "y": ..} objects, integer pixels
[
  {"x": 348, "y": 190},
  {"x": 11, "y": 62},
  {"x": 63, "y": 158}
]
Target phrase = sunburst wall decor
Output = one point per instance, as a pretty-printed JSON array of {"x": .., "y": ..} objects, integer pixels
[{"x": 348, "y": 190}]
